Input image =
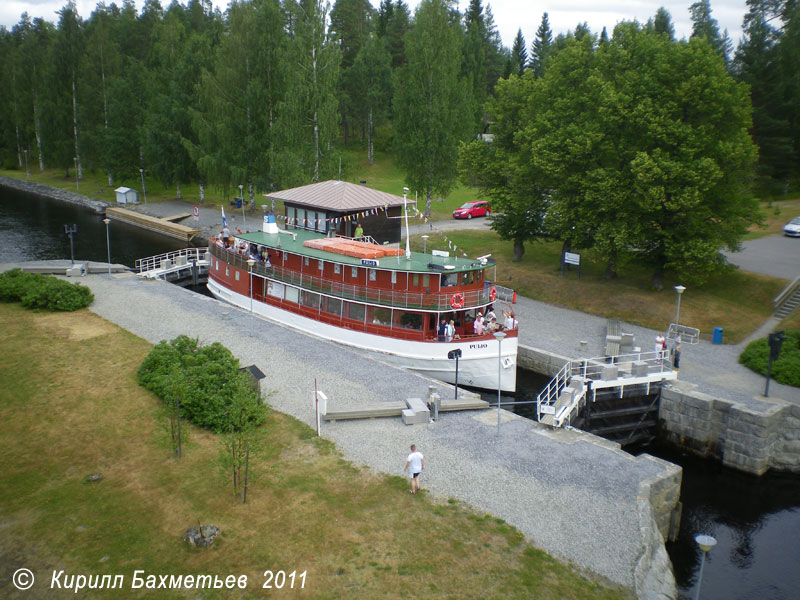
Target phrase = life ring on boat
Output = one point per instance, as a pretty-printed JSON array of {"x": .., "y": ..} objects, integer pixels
[
  {"x": 457, "y": 301},
  {"x": 493, "y": 294}
]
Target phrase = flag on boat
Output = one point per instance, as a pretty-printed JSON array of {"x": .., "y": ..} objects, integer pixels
[{"x": 224, "y": 220}]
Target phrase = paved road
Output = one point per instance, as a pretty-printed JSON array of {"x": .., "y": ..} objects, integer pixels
[{"x": 776, "y": 255}]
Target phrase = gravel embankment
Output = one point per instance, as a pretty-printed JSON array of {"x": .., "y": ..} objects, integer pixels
[{"x": 571, "y": 494}]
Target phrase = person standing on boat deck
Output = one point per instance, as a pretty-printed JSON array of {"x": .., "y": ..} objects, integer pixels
[
  {"x": 416, "y": 462},
  {"x": 442, "y": 332},
  {"x": 478, "y": 325},
  {"x": 359, "y": 231},
  {"x": 511, "y": 321},
  {"x": 451, "y": 331},
  {"x": 226, "y": 236}
]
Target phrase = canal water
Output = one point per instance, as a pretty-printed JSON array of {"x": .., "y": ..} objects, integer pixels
[{"x": 756, "y": 521}]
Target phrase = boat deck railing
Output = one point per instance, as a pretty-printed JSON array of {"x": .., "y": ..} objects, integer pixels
[{"x": 392, "y": 298}]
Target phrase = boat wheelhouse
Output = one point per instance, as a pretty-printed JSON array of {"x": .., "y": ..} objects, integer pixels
[{"x": 369, "y": 296}]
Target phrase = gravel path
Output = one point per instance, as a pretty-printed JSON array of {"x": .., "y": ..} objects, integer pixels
[{"x": 571, "y": 494}]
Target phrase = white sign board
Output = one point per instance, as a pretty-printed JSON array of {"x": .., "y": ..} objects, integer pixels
[
  {"x": 572, "y": 258},
  {"x": 441, "y": 253},
  {"x": 547, "y": 410}
]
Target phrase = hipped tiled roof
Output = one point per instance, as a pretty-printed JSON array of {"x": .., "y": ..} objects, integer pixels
[{"x": 337, "y": 196}]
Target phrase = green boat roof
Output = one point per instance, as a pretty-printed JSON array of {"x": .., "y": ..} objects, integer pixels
[{"x": 292, "y": 241}]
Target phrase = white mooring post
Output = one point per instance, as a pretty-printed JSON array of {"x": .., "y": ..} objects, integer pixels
[{"x": 320, "y": 407}]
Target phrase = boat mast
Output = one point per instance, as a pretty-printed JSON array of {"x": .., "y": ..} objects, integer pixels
[{"x": 405, "y": 214}]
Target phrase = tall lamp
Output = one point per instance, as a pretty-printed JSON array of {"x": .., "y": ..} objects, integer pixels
[
  {"x": 499, "y": 335},
  {"x": 108, "y": 243},
  {"x": 706, "y": 543},
  {"x": 680, "y": 289}
]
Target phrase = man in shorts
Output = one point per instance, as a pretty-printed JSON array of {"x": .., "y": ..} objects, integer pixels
[{"x": 416, "y": 463}]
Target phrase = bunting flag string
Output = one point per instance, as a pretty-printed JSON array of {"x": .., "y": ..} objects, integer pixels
[{"x": 360, "y": 215}]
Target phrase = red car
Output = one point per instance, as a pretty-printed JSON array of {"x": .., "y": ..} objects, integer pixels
[{"x": 478, "y": 208}]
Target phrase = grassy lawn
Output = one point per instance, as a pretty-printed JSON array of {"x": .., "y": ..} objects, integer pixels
[
  {"x": 739, "y": 302},
  {"x": 776, "y": 214},
  {"x": 70, "y": 406}
]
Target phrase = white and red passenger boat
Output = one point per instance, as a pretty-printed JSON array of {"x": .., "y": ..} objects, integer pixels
[{"x": 369, "y": 296}]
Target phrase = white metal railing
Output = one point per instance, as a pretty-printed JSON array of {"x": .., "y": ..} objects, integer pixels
[
  {"x": 594, "y": 369},
  {"x": 786, "y": 293},
  {"x": 154, "y": 263}
]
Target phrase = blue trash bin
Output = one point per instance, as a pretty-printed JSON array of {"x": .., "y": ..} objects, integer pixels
[
  {"x": 717, "y": 339},
  {"x": 238, "y": 203}
]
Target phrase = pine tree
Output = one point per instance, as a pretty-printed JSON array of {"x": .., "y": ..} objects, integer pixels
[
  {"x": 540, "y": 49},
  {"x": 519, "y": 53}
]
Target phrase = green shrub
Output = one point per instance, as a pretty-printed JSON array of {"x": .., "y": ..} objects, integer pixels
[
  {"x": 786, "y": 369},
  {"x": 206, "y": 380},
  {"x": 43, "y": 291}
]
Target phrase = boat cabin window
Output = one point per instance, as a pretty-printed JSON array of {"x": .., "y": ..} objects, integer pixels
[
  {"x": 293, "y": 294},
  {"x": 467, "y": 277},
  {"x": 373, "y": 274},
  {"x": 237, "y": 275},
  {"x": 354, "y": 272},
  {"x": 449, "y": 279},
  {"x": 337, "y": 268},
  {"x": 426, "y": 280},
  {"x": 394, "y": 277},
  {"x": 381, "y": 316},
  {"x": 310, "y": 299},
  {"x": 306, "y": 261},
  {"x": 332, "y": 305},
  {"x": 408, "y": 320},
  {"x": 415, "y": 280},
  {"x": 354, "y": 311},
  {"x": 321, "y": 265}
]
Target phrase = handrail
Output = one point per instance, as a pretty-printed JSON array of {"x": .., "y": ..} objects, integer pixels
[
  {"x": 786, "y": 293},
  {"x": 592, "y": 369},
  {"x": 393, "y": 298},
  {"x": 151, "y": 263}
]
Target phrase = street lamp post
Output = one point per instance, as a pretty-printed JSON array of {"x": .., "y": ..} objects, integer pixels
[
  {"x": 705, "y": 542},
  {"x": 144, "y": 190},
  {"x": 680, "y": 289},
  {"x": 499, "y": 335},
  {"x": 108, "y": 243},
  {"x": 250, "y": 263},
  {"x": 77, "y": 185},
  {"x": 424, "y": 242}
]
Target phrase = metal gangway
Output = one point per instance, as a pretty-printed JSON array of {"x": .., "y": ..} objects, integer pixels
[
  {"x": 578, "y": 381},
  {"x": 173, "y": 265}
]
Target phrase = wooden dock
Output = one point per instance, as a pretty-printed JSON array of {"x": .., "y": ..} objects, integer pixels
[
  {"x": 395, "y": 409},
  {"x": 164, "y": 226}
]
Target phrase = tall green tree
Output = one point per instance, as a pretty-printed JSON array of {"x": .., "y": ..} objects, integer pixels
[
  {"x": 705, "y": 26},
  {"x": 662, "y": 23},
  {"x": 370, "y": 82},
  {"x": 519, "y": 54},
  {"x": 503, "y": 169},
  {"x": 641, "y": 158},
  {"x": 311, "y": 110},
  {"x": 430, "y": 114},
  {"x": 540, "y": 48},
  {"x": 756, "y": 63}
]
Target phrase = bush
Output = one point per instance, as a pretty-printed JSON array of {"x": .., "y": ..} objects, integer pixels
[
  {"x": 786, "y": 369},
  {"x": 206, "y": 380},
  {"x": 43, "y": 291}
]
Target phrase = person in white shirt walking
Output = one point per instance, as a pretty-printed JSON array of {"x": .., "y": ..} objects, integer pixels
[{"x": 416, "y": 462}]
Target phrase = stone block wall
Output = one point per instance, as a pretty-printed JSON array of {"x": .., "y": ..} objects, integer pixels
[
  {"x": 540, "y": 361},
  {"x": 753, "y": 438}
]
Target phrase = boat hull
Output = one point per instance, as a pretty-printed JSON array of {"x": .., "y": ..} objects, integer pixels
[{"x": 481, "y": 364}]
